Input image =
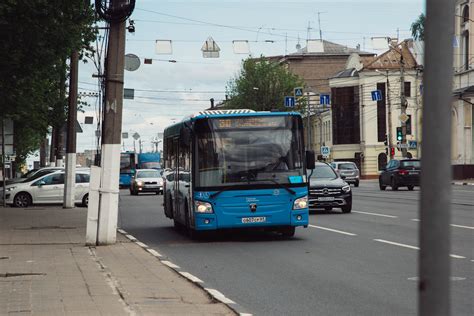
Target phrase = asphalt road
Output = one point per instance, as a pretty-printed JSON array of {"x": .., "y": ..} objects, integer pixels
[{"x": 363, "y": 263}]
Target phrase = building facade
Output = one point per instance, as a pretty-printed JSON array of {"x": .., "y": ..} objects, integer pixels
[{"x": 462, "y": 114}]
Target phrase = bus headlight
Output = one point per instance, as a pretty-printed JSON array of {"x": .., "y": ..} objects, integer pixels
[
  {"x": 203, "y": 207},
  {"x": 346, "y": 188},
  {"x": 301, "y": 203}
]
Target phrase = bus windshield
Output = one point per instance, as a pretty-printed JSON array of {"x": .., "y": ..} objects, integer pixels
[
  {"x": 241, "y": 151},
  {"x": 125, "y": 163}
]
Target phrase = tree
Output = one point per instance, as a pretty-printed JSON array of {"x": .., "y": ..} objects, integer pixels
[
  {"x": 418, "y": 28},
  {"x": 262, "y": 86},
  {"x": 38, "y": 36}
]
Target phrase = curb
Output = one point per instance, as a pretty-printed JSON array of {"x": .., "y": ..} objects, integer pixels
[
  {"x": 213, "y": 293},
  {"x": 462, "y": 183}
]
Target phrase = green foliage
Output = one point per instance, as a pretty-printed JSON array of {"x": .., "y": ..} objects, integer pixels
[
  {"x": 262, "y": 86},
  {"x": 38, "y": 36},
  {"x": 418, "y": 28}
]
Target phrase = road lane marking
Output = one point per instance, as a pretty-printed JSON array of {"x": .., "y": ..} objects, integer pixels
[
  {"x": 169, "y": 264},
  {"x": 142, "y": 244},
  {"x": 154, "y": 252},
  {"x": 396, "y": 244},
  {"x": 412, "y": 247},
  {"x": 375, "y": 214},
  {"x": 454, "y": 225},
  {"x": 333, "y": 230},
  {"x": 451, "y": 278},
  {"x": 130, "y": 237},
  {"x": 461, "y": 226},
  {"x": 219, "y": 296},
  {"x": 191, "y": 277}
]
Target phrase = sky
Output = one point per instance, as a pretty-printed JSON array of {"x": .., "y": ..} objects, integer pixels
[{"x": 166, "y": 92}]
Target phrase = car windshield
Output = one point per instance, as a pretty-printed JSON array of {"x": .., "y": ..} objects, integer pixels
[
  {"x": 410, "y": 163},
  {"x": 151, "y": 165},
  {"x": 39, "y": 174},
  {"x": 244, "y": 150},
  {"x": 347, "y": 166},
  {"x": 322, "y": 172},
  {"x": 148, "y": 174}
]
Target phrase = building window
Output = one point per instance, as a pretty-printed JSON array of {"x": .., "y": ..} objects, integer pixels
[
  {"x": 407, "y": 89},
  {"x": 465, "y": 50},
  {"x": 381, "y": 114},
  {"x": 465, "y": 14},
  {"x": 345, "y": 115}
]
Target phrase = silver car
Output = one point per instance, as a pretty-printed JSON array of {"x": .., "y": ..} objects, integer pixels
[
  {"x": 348, "y": 171},
  {"x": 47, "y": 189},
  {"x": 146, "y": 180}
]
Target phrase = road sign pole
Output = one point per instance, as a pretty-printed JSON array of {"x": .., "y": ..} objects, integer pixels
[
  {"x": 435, "y": 202},
  {"x": 3, "y": 163}
]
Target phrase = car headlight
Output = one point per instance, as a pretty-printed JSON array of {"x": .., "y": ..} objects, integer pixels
[
  {"x": 10, "y": 189},
  {"x": 203, "y": 207},
  {"x": 346, "y": 188},
  {"x": 300, "y": 203},
  {"x": 139, "y": 183}
]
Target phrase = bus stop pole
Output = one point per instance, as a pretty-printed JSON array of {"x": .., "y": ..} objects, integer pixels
[{"x": 435, "y": 201}]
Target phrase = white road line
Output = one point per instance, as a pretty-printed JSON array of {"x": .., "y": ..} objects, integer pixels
[
  {"x": 461, "y": 226},
  {"x": 375, "y": 214},
  {"x": 130, "y": 237},
  {"x": 397, "y": 244},
  {"x": 154, "y": 252},
  {"x": 412, "y": 247},
  {"x": 142, "y": 244},
  {"x": 219, "y": 296},
  {"x": 191, "y": 277},
  {"x": 333, "y": 230},
  {"x": 121, "y": 231},
  {"x": 169, "y": 264},
  {"x": 454, "y": 225}
]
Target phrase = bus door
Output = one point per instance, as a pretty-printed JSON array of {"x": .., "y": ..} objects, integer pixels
[
  {"x": 184, "y": 180},
  {"x": 175, "y": 189}
]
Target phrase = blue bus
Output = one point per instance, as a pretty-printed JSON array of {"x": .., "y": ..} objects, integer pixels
[
  {"x": 128, "y": 165},
  {"x": 237, "y": 169}
]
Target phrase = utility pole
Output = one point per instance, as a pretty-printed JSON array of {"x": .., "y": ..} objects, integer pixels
[
  {"x": 70, "y": 177},
  {"x": 3, "y": 163},
  {"x": 118, "y": 11},
  {"x": 389, "y": 115},
  {"x": 308, "y": 122},
  {"x": 436, "y": 173},
  {"x": 43, "y": 152},
  {"x": 52, "y": 149},
  {"x": 403, "y": 104},
  {"x": 319, "y": 24}
]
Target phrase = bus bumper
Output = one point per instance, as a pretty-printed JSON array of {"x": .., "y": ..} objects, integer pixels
[{"x": 209, "y": 221}]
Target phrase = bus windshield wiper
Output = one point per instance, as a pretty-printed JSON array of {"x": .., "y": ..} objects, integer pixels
[{"x": 215, "y": 194}]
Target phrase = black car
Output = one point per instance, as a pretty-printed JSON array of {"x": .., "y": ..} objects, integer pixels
[
  {"x": 401, "y": 173},
  {"x": 327, "y": 190}
]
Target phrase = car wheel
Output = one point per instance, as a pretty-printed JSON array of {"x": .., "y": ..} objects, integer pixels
[
  {"x": 381, "y": 186},
  {"x": 22, "y": 199},
  {"x": 356, "y": 184},
  {"x": 410, "y": 187},
  {"x": 85, "y": 200},
  {"x": 394, "y": 184},
  {"x": 347, "y": 208},
  {"x": 288, "y": 232}
]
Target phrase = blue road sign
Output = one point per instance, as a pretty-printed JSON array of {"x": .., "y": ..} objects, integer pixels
[
  {"x": 290, "y": 102},
  {"x": 298, "y": 92},
  {"x": 376, "y": 95},
  {"x": 324, "y": 99},
  {"x": 412, "y": 144},
  {"x": 325, "y": 151}
]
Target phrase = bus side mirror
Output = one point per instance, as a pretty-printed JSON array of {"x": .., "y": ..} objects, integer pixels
[
  {"x": 185, "y": 136},
  {"x": 310, "y": 160}
]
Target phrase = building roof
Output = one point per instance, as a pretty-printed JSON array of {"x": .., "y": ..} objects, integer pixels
[
  {"x": 391, "y": 58},
  {"x": 346, "y": 73},
  {"x": 330, "y": 49}
]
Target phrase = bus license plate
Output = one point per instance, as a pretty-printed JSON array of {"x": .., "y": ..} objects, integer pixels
[
  {"x": 327, "y": 198},
  {"x": 246, "y": 220}
]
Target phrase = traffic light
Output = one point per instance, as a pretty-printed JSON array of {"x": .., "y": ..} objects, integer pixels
[
  {"x": 392, "y": 151},
  {"x": 399, "y": 134}
]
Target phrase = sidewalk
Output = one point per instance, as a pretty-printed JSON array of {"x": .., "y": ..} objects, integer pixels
[{"x": 45, "y": 269}]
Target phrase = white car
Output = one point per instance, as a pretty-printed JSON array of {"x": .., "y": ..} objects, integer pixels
[
  {"x": 48, "y": 189},
  {"x": 146, "y": 180}
]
